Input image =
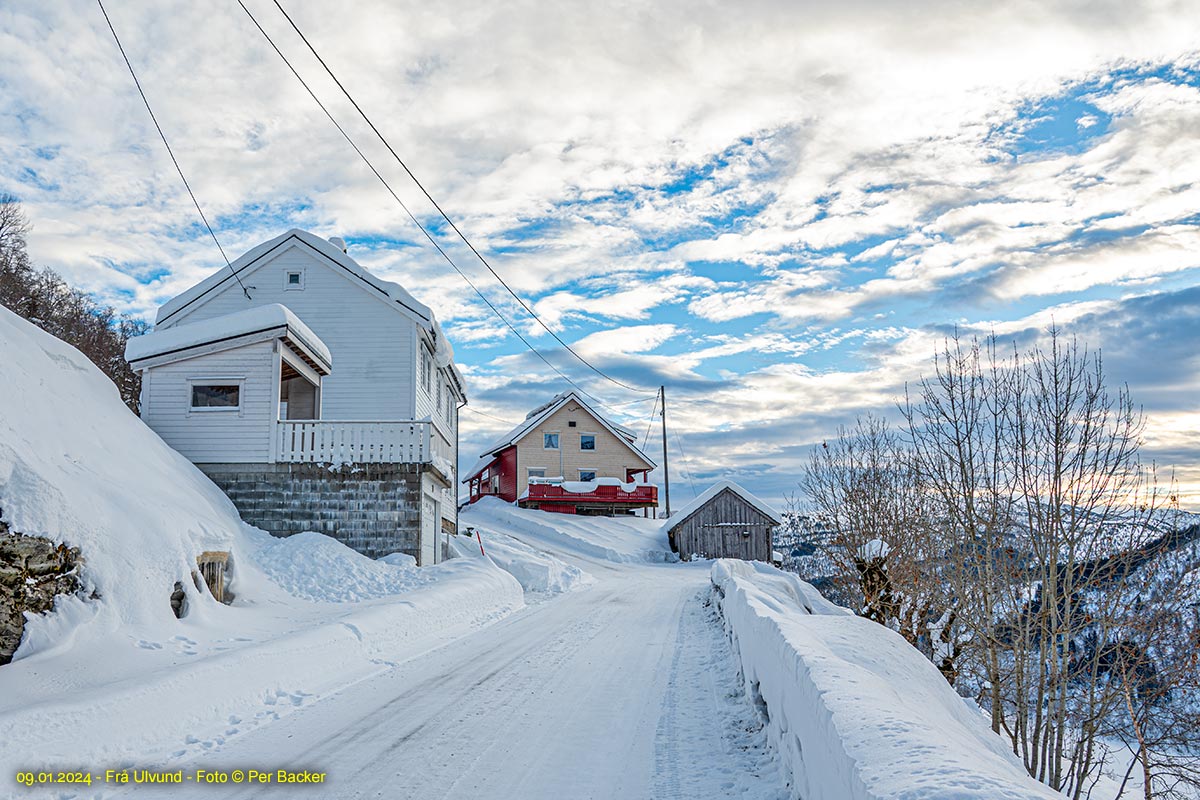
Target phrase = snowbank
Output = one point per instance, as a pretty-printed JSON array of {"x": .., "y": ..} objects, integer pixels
[
  {"x": 316, "y": 567},
  {"x": 854, "y": 711},
  {"x": 620, "y": 539},
  {"x": 536, "y": 570}
]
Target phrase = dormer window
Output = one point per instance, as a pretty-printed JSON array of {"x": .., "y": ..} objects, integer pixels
[{"x": 293, "y": 279}]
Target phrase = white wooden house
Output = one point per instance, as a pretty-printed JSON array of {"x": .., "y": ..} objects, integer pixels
[{"x": 317, "y": 395}]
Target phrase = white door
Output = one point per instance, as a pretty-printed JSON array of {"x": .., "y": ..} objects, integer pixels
[{"x": 429, "y": 530}]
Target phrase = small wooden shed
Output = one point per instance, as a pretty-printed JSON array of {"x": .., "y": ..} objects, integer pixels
[{"x": 726, "y": 521}]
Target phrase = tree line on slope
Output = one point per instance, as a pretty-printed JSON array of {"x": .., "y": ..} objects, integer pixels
[
  {"x": 45, "y": 299},
  {"x": 1009, "y": 529}
]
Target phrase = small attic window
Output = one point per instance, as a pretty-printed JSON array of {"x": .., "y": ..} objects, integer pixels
[{"x": 293, "y": 279}]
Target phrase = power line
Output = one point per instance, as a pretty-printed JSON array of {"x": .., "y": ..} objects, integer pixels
[
  {"x": 485, "y": 414},
  {"x": 687, "y": 462},
  {"x": 167, "y": 145},
  {"x": 444, "y": 215},
  {"x": 402, "y": 205},
  {"x": 650, "y": 423}
]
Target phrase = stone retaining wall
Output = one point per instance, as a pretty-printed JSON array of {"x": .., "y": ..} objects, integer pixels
[
  {"x": 32, "y": 571},
  {"x": 373, "y": 508}
]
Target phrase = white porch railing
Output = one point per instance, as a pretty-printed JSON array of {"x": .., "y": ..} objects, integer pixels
[{"x": 360, "y": 442}]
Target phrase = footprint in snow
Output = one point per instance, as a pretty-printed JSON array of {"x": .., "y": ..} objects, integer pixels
[{"x": 142, "y": 643}]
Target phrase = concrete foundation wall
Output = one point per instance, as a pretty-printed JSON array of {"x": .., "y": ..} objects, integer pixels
[{"x": 373, "y": 508}]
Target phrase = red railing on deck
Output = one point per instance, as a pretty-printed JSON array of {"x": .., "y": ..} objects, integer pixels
[{"x": 553, "y": 493}]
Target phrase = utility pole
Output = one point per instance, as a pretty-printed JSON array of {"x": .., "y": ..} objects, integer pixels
[{"x": 662, "y": 392}]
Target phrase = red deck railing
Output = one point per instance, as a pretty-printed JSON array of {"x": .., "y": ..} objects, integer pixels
[{"x": 642, "y": 494}]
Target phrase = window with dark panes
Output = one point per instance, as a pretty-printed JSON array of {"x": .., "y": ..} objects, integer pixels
[
  {"x": 216, "y": 396},
  {"x": 587, "y": 441}
]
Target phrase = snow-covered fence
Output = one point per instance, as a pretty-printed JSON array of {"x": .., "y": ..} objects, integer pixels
[
  {"x": 854, "y": 711},
  {"x": 357, "y": 442}
]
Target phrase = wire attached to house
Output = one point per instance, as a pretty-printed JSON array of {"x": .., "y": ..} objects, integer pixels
[
  {"x": 489, "y": 416},
  {"x": 444, "y": 215},
  {"x": 170, "y": 152},
  {"x": 411, "y": 216}
]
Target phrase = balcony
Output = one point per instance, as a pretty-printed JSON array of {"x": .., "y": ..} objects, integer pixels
[
  {"x": 363, "y": 442},
  {"x": 600, "y": 494}
]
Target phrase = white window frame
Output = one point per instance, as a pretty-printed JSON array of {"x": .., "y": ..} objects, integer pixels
[
  {"x": 530, "y": 470},
  {"x": 288, "y": 286},
  {"x": 449, "y": 406},
  {"x": 583, "y": 479},
  {"x": 595, "y": 442},
  {"x": 218, "y": 380},
  {"x": 557, "y": 440},
  {"x": 426, "y": 370}
]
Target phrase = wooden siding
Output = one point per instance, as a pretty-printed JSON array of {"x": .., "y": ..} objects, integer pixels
[
  {"x": 371, "y": 343},
  {"x": 718, "y": 530},
  {"x": 216, "y": 436},
  {"x": 610, "y": 459}
]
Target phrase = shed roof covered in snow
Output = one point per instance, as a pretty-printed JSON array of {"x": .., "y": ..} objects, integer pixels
[
  {"x": 707, "y": 495},
  {"x": 229, "y": 331}
]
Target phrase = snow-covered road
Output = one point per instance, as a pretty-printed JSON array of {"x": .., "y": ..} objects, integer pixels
[{"x": 626, "y": 689}]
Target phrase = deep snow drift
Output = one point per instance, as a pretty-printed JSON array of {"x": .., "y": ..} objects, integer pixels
[
  {"x": 855, "y": 712},
  {"x": 616, "y": 539}
]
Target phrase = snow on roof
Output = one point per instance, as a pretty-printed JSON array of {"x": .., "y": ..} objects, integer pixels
[
  {"x": 388, "y": 290},
  {"x": 393, "y": 291},
  {"x": 228, "y": 326},
  {"x": 537, "y": 415},
  {"x": 711, "y": 492}
]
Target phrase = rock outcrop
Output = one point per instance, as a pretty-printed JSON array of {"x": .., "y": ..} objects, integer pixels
[{"x": 33, "y": 571}]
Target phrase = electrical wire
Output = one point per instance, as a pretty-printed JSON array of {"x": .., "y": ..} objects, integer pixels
[
  {"x": 687, "y": 462},
  {"x": 489, "y": 416},
  {"x": 402, "y": 205},
  {"x": 440, "y": 211},
  {"x": 167, "y": 145},
  {"x": 650, "y": 424}
]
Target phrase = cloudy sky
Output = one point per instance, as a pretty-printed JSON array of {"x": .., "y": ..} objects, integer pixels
[{"x": 776, "y": 209}]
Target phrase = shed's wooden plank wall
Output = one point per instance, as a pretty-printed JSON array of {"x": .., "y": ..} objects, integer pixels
[{"x": 708, "y": 531}]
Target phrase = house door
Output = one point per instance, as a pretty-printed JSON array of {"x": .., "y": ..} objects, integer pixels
[{"x": 430, "y": 525}]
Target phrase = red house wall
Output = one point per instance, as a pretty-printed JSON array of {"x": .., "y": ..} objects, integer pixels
[{"x": 507, "y": 461}]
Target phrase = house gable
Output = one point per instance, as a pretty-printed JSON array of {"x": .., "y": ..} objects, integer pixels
[{"x": 319, "y": 250}]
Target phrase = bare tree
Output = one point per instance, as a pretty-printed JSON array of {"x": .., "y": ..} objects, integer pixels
[
  {"x": 865, "y": 491},
  {"x": 1025, "y": 557}
]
